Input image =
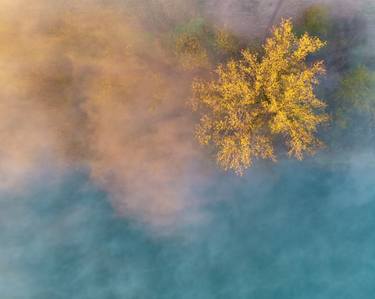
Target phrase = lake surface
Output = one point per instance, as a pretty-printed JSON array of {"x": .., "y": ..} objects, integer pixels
[{"x": 294, "y": 230}]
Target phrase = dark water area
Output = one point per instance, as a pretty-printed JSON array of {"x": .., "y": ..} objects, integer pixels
[{"x": 297, "y": 230}]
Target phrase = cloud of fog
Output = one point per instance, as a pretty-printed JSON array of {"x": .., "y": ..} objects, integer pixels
[
  {"x": 83, "y": 85},
  {"x": 27, "y": 135},
  {"x": 287, "y": 231},
  {"x": 253, "y": 18},
  {"x": 87, "y": 84}
]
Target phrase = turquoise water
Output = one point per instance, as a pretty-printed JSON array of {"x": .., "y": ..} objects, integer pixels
[{"x": 295, "y": 230}]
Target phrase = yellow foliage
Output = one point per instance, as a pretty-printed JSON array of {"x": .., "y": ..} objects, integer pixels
[
  {"x": 191, "y": 52},
  {"x": 225, "y": 41},
  {"x": 257, "y": 100}
]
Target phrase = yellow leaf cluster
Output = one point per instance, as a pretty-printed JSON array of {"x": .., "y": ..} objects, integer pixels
[
  {"x": 225, "y": 41},
  {"x": 191, "y": 52},
  {"x": 258, "y": 100}
]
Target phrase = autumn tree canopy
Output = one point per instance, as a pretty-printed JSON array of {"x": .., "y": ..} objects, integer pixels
[
  {"x": 260, "y": 99},
  {"x": 356, "y": 93},
  {"x": 198, "y": 45}
]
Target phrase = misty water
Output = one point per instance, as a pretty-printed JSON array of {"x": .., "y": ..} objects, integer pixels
[
  {"x": 292, "y": 229},
  {"x": 298, "y": 230}
]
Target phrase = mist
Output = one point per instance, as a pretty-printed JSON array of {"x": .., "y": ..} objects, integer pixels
[{"x": 105, "y": 192}]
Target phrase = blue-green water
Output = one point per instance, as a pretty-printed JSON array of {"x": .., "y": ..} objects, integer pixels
[{"x": 296, "y": 230}]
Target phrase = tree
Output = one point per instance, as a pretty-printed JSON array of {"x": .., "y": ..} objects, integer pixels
[
  {"x": 259, "y": 99},
  {"x": 355, "y": 96},
  {"x": 198, "y": 45},
  {"x": 316, "y": 20},
  {"x": 357, "y": 90}
]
